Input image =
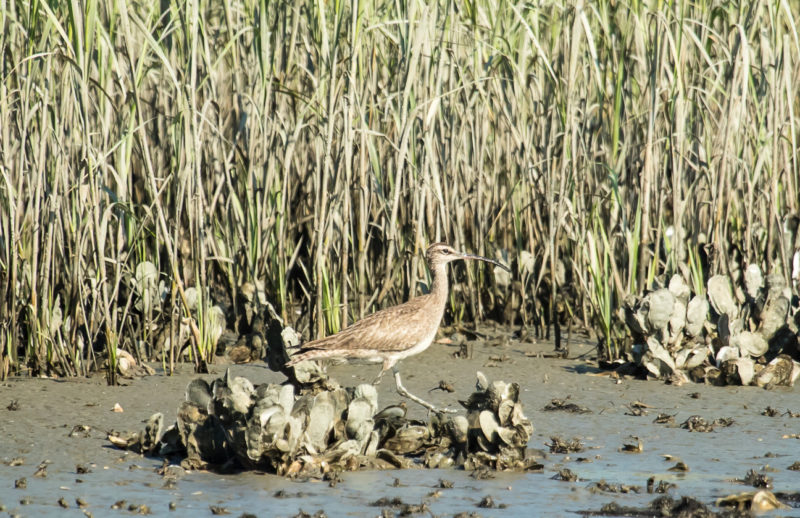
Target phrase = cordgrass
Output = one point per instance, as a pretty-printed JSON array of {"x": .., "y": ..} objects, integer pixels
[{"x": 315, "y": 149}]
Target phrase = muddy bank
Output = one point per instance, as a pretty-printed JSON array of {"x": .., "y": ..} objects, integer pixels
[{"x": 629, "y": 431}]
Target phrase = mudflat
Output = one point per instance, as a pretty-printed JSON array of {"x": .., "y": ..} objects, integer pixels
[{"x": 55, "y": 457}]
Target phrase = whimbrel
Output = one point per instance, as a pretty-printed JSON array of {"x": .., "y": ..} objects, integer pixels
[{"x": 394, "y": 333}]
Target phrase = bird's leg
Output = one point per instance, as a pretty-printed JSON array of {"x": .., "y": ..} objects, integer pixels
[
  {"x": 388, "y": 363},
  {"x": 406, "y": 394},
  {"x": 380, "y": 375}
]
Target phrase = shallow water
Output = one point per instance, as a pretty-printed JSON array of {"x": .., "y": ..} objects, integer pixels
[
  {"x": 39, "y": 430},
  {"x": 713, "y": 458}
]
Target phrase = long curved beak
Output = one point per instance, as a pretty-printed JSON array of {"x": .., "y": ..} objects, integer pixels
[{"x": 486, "y": 260}]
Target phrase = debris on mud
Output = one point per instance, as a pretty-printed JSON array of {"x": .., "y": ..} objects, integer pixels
[
  {"x": 445, "y": 386},
  {"x": 662, "y": 487},
  {"x": 755, "y": 479},
  {"x": 404, "y": 509},
  {"x": 637, "y": 447},
  {"x": 565, "y": 475},
  {"x": 559, "y": 445},
  {"x": 16, "y": 461},
  {"x": 566, "y": 406},
  {"x": 482, "y": 474},
  {"x": 128, "y": 367},
  {"x": 637, "y": 408},
  {"x": 487, "y": 502},
  {"x": 697, "y": 424},
  {"x": 666, "y": 419},
  {"x": 745, "y": 333},
  {"x": 326, "y": 429},
  {"x": 791, "y": 498},
  {"x": 218, "y": 510},
  {"x": 679, "y": 467},
  {"x": 300, "y": 514},
  {"x": 143, "y": 442},
  {"x": 753, "y": 501},
  {"x": 605, "y": 487},
  {"x": 41, "y": 470},
  {"x": 685, "y": 507},
  {"x": 770, "y": 412}
]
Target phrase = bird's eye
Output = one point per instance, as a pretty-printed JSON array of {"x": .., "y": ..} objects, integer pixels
[{"x": 445, "y": 251}]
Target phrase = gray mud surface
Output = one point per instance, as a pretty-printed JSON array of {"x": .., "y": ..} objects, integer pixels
[{"x": 64, "y": 424}]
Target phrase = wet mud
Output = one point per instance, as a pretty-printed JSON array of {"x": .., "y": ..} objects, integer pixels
[{"x": 621, "y": 444}]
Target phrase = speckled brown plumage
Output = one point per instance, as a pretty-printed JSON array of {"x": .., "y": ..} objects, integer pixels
[{"x": 379, "y": 331}]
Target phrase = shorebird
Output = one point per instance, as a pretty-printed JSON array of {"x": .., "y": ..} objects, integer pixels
[{"x": 397, "y": 332}]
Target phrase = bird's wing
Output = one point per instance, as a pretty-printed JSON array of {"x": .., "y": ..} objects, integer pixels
[{"x": 393, "y": 329}]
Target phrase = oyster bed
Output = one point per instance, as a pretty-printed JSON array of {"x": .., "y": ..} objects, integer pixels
[
  {"x": 323, "y": 429},
  {"x": 64, "y": 426},
  {"x": 745, "y": 333}
]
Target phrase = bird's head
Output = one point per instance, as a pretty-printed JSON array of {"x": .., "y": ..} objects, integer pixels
[{"x": 442, "y": 253}]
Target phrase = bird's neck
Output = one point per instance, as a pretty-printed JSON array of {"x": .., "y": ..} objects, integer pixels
[{"x": 440, "y": 287}]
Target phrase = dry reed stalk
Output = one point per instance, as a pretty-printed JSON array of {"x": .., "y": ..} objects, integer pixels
[{"x": 313, "y": 149}]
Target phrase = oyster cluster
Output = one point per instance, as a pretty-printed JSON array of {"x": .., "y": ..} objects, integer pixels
[
  {"x": 497, "y": 430},
  {"x": 232, "y": 423},
  {"x": 742, "y": 335}
]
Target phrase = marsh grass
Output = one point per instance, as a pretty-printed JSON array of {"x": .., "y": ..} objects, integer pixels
[{"x": 316, "y": 149}]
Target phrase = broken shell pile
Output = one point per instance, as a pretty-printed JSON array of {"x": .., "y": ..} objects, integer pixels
[
  {"x": 742, "y": 336},
  {"x": 232, "y": 423}
]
